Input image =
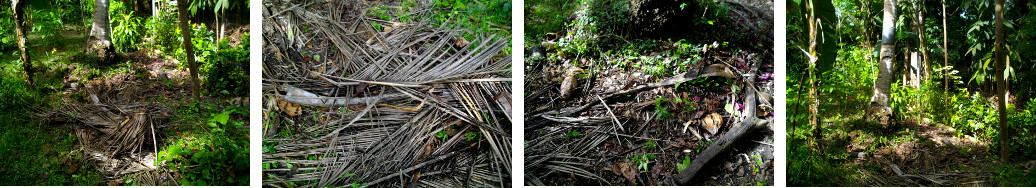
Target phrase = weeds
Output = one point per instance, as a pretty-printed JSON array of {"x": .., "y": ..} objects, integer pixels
[{"x": 213, "y": 154}]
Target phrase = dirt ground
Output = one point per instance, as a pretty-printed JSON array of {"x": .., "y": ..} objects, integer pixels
[{"x": 599, "y": 145}]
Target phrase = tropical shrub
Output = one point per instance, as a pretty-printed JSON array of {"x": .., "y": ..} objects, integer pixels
[
  {"x": 211, "y": 159},
  {"x": 226, "y": 72},
  {"x": 163, "y": 34},
  {"x": 127, "y": 30}
]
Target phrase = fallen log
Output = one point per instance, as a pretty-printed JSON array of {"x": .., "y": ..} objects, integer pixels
[{"x": 747, "y": 126}]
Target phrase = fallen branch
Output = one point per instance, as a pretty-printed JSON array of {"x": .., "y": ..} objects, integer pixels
[
  {"x": 303, "y": 97},
  {"x": 718, "y": 69},
  {"x": 931, "y": 178},
  {"x": 720, "y": 145},
  {"x": 748, "y": 125},
  {"x": 617, "y": 123}
]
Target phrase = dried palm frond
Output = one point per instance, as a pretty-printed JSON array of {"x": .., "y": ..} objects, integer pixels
[
  {"x": 117, "y": 128},
  {"x": 422, "y": 109}
]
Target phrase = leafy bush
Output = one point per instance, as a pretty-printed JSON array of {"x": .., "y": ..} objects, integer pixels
[
  {"x": 581, "y": 36},
  {"x": 211, "y": 159},
  {"x": 204, "y": 46},
  {"x": 611, "y": 15},
  {"x": 546, "y": 16},
  {"x": 162, "y": 32},
  {"x": 1022, "y": 123},
  {"x": 126, "y": 31},
  {"x": 7, "y": 35},
  {"x": 476, "y": 16},
  {"x": 975, "y": 114},
  {"x": 46, "y": 24},
  {"x": 226, "y": 71}
]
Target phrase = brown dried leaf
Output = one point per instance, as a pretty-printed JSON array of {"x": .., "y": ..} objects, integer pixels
[
  {"x": 291, "y": 109},
  {"x": 461, "y": 42},
  {"x": 712, "y": 122},
  {"x": 629, "y": 172}
]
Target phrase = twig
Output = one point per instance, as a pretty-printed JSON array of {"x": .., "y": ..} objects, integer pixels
[
  {"x": 153, "y": 139},
  {"x": 617, "y": 123},
  {"x": 286, "y": 10},
  {"x": 768, "y": 144}
]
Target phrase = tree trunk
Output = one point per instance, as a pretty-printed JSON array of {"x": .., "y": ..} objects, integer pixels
[
  {"x": 878, "y": 109},
  {"x": 814, "y": 100},
  {"x": 18, "y": 7},
  {"x": 923, "y": 45},
  {"x": 1000, "y": 80},
  {"x": 181, "y": 7},
  {"x": 945, "y": 53},
  {"x": 100, "y": 41}
]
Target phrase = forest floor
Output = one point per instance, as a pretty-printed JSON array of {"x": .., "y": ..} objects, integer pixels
[
  {"x": 587, "y": 123},
  {"x": 51, "y": 136},
  {"x": 912, "y": 152}
]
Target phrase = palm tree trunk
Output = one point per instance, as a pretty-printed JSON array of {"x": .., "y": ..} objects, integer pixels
[
  {"x": 100, "y": 41},
  {"x": 878, "y": 109}
]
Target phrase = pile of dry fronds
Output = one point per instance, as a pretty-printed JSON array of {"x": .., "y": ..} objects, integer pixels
[
  {"x": 408, "y": 104},
  {"x": 114, "y": 119}
]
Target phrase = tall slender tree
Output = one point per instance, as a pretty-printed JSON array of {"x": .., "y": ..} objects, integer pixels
[
  {"x": 181, "y": 7},
  {"x": 945, "y": 53},
  {"x": 18, "y": 7},
  {"x": 100, "y": 41},
  {"x": 923, "y": 44},
  {"x": 878, "y": 109},
  {"x": 1000, "y": 80}
]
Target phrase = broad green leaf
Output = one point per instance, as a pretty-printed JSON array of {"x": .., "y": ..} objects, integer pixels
[
  {"x": 827, "y": 47},
  {"x": 174, "y": 151},
  {"x": 222, "y": 117},
  {"x": 686, "y": 162}
]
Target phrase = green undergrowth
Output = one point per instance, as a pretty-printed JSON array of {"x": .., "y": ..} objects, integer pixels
[
  {"x": 32, "y": 153},
  {"x": 843, "y": 95},
  {"x": 546, "y": 16},
  {"x": 476, "y": 18},
  {"x": 213, "y": 151}
]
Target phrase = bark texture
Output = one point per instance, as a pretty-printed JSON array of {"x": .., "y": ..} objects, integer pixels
[
  {"x": 100, "y": 41},
  {"x": 878, "y": 109},
  {"x": 1001, "y": 84},
  {"x": 188, "y": 47},
  {"x": 18, "y": 7}
]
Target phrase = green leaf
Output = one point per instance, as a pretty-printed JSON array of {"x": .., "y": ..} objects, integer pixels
[
  {"x": 174, "y": 151},
  {"x": 686, "y": 162},
  {"x": 222, "y": 117},
  {"x": 827, "y": 49}
]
